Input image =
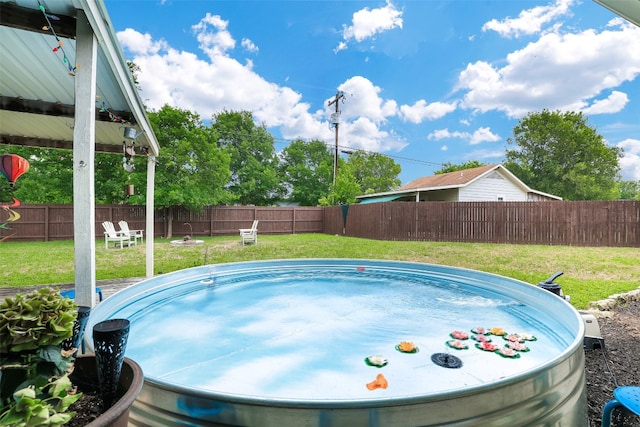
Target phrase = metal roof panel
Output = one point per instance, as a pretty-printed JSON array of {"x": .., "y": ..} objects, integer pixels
[{"x": 32, "y": 73}]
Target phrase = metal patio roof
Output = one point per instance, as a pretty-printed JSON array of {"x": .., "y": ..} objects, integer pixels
[
  {"x": 628, "y": 9},
  {"x": 37, "y": 93},
  {"x": 64, "y": 83}
]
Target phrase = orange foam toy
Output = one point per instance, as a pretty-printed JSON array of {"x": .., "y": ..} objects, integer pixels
[{"x": 380, "y": 382}]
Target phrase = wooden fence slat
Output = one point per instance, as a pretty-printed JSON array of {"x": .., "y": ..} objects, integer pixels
[
  {"x": 580, "y": 223},
  {"x": 584, "y": 223}
]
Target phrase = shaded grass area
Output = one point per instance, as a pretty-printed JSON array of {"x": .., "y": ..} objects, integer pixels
[{"x": 590, "y": 274}]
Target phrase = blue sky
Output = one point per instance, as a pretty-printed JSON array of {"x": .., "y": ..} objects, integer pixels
[{"x": 425, "y": 81}]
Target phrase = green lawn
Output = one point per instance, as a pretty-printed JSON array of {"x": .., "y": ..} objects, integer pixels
[{"x": 590, "y": 274}]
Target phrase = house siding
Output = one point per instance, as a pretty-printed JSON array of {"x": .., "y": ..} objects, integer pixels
[
  {"x": 490, "y": 187},
  {"x": 450, "y": 195}
]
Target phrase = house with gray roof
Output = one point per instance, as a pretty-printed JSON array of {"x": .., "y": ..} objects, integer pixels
[{"x": 485, "y": 183}]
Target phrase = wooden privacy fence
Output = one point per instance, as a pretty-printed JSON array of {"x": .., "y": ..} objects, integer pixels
[
  {"x": 226, "y": 220},
  {"x": 607, "y": 223},
  {"x": 55, "y": 222},
  {"x": 598, "y": 223}
]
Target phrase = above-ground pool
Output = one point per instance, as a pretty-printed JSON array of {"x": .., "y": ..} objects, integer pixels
[{"x": 288, "y": 343}]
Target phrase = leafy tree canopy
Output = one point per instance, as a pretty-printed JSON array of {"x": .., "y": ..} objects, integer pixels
[
  {"x": 559, "y": 153},
  {"x": 452, "y": 167},
  {"x": 629, "y": 190},
  {"x": 255, "y": 178},
  {"x": 49, "y": 179},
  {"x": 191, "y": 170},
  {"x": 374, "y": 172},
  {"x": 345, "y": 189},
  {"x": 307, "y": 171}
]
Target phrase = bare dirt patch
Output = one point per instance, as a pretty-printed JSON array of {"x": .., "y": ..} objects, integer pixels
[{"x": 617, "y": 365}]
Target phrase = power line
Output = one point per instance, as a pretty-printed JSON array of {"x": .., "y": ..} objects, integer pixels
[
  {"x": 408, "y": 159},
  {"x": 340, "y": 147}
]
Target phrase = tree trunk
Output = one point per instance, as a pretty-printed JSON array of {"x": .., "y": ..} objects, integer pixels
[{"x": 169, "y": 222}]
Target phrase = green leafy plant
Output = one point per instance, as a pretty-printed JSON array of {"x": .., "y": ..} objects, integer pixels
[{"x": 36, "y": 389}]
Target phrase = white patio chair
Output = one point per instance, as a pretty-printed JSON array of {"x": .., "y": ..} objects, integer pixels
[
  {"x": 111, "y": 235},
  {"x": 248, "y": 235},
  {"x": 135, "y": 234}
]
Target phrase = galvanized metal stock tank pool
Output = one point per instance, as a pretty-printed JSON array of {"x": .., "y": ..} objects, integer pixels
[{"x": 286, "y": 343}]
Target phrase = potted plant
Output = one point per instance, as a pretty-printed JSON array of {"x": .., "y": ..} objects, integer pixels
[{"x": 40, "y": 377}]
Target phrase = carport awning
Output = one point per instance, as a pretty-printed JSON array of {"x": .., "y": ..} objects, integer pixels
[{"x": 382, "y": 199}]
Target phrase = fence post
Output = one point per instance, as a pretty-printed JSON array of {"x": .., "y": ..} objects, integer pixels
[
  {"x": 210, "y": 208},
  {"x": 415, "y": 217},
  {"x": 46, "y": 223}
]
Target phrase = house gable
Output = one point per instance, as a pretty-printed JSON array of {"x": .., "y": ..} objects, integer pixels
[{"x": 494, "y": 186}]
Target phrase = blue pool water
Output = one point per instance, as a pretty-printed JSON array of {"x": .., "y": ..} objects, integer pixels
[{"x": 300, "y": 330}]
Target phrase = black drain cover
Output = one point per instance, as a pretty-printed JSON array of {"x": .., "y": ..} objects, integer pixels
[{"x": 446, "y": 360}]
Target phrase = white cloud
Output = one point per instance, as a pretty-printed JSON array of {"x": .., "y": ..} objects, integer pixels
[
  {"x": 341, "y": 46},
  {"x": 483, "y": 135},
  {"x": 420, "y": 111},
  {"x": 558, "y": 71},
  {"x": 213, "y": 35},
  {"x": 249, "y": 45},
  {"x": 612, "y": 104},
  {"x": 366, "y": 23},
  {"x": 181, "y": 79},
  {"x": 630, "y": 162},
  {"x": 362, "y": 98},
  {"x": 480, "y": 135},
  {"x": 363, "y": 112},
  {"x": 138, "y": 43},
  {"x": 218, "y": 81},
  {"x": 530, "y": 21},
  {"x": 447, "y": 134}
]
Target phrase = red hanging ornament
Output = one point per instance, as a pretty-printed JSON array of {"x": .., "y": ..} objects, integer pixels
[{"x": 12, "y": 167}]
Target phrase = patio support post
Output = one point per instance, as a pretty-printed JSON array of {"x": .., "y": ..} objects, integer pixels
[
  {"x": 84, "y": 137},
  {"x": 151, "y": 173}
]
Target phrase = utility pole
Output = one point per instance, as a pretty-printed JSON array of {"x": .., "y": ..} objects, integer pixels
[{"x": 335, "y": 121}]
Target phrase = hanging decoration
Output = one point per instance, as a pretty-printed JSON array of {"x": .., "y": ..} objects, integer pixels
[
  {"x": 112, "y": 117},
  {"x": 12, "y": 167},
  {"x": 129, "y": 152},
  {"x": 60, "y": 47}
]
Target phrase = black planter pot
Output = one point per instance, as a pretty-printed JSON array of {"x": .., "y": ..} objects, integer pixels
[{"x": 85, "y": 376}]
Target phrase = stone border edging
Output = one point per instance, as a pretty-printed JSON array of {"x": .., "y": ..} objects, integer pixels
[{"x": 604, "y": 308}]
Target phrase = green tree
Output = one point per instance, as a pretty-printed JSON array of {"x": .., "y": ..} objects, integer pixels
[
  {"x": 629, "y": 190},
  {"x": 49, "y": 179},
  {"x": 111, "y": 179},
  {"x": 374, "y": 172},
  {"x": 254, "y": 165},
  {"x": 307, "y": 171},
  {"x": 191, "y": 170},
  {"x": 345, "y": 189},
  {"x": 559, "y": 153},
  {"x": 452, "y": 167},
  {"x": 134, "y": 69}
]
